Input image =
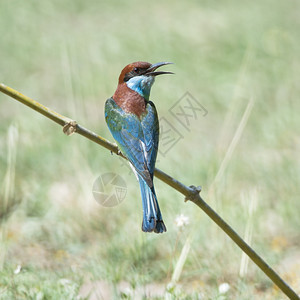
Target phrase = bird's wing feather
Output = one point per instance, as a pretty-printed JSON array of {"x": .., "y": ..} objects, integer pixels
[
  {"x": 127, "y": 130},
  {"x": 150, "y": 127}
]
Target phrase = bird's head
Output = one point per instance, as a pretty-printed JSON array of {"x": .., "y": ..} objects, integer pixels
[{"x": 139, "y": 76}]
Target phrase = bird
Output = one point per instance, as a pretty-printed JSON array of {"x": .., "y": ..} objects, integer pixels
[{"x": 133, "y": 122}]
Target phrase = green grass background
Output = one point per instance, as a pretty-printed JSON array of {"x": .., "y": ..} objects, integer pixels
[{"x": 68, "y": 55}]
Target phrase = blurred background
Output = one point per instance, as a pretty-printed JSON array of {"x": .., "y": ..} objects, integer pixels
[{"x": 237, "y": 63}]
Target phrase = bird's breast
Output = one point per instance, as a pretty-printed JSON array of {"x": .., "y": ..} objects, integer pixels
[{"x": 129, "y": 100}]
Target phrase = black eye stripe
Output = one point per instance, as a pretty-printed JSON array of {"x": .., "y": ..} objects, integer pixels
[
  {"x": 129, "y": 75},
  {"x": 135, "y": 72}
]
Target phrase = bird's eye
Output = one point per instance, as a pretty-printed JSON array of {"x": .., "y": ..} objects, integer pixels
[{"x": 136, "y": 70}]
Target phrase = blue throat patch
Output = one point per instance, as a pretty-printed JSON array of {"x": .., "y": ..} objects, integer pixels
[{"x": 141, "y": 84}]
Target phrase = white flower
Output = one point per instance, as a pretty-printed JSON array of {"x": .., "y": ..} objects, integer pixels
[
  {"x": 181, "y": 220},
  {"x": 18, "y": 269},
  {"x": 224, "y": 288}
]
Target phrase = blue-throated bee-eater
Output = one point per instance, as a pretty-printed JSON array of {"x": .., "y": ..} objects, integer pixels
[{"x": 132, "y": 120}]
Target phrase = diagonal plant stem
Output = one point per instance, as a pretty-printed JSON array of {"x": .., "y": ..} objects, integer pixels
[{"x": 191, "y": 193}]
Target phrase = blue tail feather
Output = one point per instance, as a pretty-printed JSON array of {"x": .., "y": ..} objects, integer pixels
[{"x": 152, "y": 219}]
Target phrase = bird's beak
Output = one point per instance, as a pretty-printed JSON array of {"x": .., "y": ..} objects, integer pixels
[{"x": 151, "y": 70}]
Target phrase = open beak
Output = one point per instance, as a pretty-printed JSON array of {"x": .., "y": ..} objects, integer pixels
[{"x": 151, "y": 70}]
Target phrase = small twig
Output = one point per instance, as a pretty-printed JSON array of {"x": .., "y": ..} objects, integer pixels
[{"x": 191, "y": 193}]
